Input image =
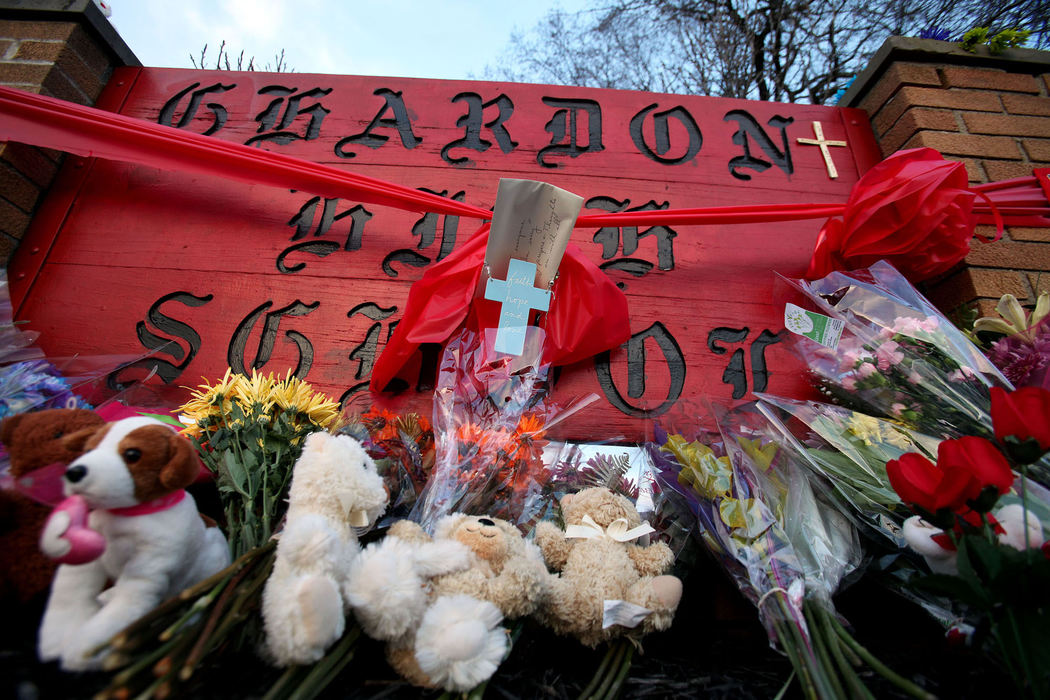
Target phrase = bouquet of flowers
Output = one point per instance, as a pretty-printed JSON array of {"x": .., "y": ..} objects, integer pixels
[
  {"x": 1022, "y": 350},
  {"x": 249, "y": 433},
  {"x": 992, "y": 561},
  {"x": 491, "y": 415},
  {"x": 402, "y": 447},
  {"x": 786, "y": 548},
  {"x": 897, "y": 357}
]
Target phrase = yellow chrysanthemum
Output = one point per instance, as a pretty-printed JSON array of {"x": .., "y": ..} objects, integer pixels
[
  {"x": 212, "y": 400},
  {"x": 296, "y": 396},
  {"x": 256, "y": 391}
]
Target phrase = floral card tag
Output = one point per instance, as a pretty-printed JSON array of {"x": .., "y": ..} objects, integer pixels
[
  {"x": 620, "y": 612},
  {"x": 817, "y": 327}
]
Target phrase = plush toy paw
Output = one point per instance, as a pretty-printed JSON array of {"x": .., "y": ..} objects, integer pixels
[
  {"x": 667, "y": 590},
  {"x": 384, "y": 589},
  {"x": 460, "y": 642},
  {"x": 320, "y": 611},
  {"x": 67, "y": 538}
]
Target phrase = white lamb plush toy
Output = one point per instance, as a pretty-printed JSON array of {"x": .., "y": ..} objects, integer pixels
[{"x": 335, "y": 488}]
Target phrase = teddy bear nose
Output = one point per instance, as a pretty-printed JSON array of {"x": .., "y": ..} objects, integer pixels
[
  {"x": 76, "y": 473},
  {"x": 485, "y": 521}
]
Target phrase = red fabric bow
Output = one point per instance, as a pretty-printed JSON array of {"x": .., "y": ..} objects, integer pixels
[
  {"x": 588, "y": 313},
  {"x": 913, "y": 209}
]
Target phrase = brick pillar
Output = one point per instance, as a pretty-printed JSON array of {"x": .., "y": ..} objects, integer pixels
[
  {"x": 992, "y": 113},
  {"x": 51, "y": 47}
]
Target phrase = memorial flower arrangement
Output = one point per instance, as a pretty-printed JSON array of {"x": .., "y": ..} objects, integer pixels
[
  {"x": 1022, "y": 350},
  {"x": 402, "y": 446},
  {"x": 784, "y": 546},
  {"x": 986, "y": 552},
  {"x": 249, "y": 432},
  {"x": 490, "y": 417}
]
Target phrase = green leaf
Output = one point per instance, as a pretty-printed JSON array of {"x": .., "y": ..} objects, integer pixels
[{"x": 238, "y": 475}]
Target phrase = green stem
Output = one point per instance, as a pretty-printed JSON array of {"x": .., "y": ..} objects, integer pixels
[
  {"x": 617, "y": 684},
  {"x": 276, "y": 691},
  {"x": 821, "y": 645},
  {"x": 596, "y": 678},
  {"x": 882, "y": 669},
  {"x": 1025, "y": 678},
  {"x": 846, "y": 665},
  {"x": 621, "y": 651},
  {"x": 326, "y": 670}
]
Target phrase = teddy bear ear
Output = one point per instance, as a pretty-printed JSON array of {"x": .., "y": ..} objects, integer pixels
[
  {"x": 182, "y": 469},
  {"x": 567, "y": 499},
  {"x": 444, "y": 527},
  {"x": 9, "y": 427}
]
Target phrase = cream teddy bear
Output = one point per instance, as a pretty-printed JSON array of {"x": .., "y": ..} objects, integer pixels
[
  {"x": 438, "y": 602},
  {"x": 335, "y": 488},
  {"x": 607, "y": 584}
]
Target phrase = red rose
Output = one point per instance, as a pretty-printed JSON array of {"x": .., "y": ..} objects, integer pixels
[
  {"x": 981, "y": 459},
  {"x": 913, "y": 209},
  {"x": 1023, "y": 414},
  {"x": 919, "y": 482}
]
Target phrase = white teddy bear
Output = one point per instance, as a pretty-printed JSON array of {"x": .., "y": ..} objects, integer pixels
[
  {"x": 438, "y": 601},
  {"x": 335, "y": 488}
]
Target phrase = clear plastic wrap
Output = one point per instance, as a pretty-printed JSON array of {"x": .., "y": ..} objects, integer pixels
[
  {"x": 491, "y": 414},
  {"x": 786, "y": 546},
  {"x": 898, "y": 357}
]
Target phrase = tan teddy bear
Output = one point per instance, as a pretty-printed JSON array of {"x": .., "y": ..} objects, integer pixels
[
  {"x": 608, "y": 586},
  {"x": 439, "y": 601}
]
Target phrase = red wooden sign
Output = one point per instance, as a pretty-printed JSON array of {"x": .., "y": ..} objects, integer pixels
[{"x": 210, "y": 273}]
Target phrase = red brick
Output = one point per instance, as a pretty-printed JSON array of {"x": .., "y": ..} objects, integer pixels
[
  {"x": 89, "y": 52},
  {"x": 1019, "y": 233},
  {"x": 6, "y": 44},
  {"x": 13, "y": 221},
  {"x": 7, "y": 246},
  {"x": 918, "y": 119},
  {"x": 967, "y": 144},
  {"x": 974, "y": 172},
  {"x": 1037, "y": 149},
  {"x": 989, "y": 79},
  {"x": 909, "y": 97},
  {"x": 1016, "y": 256},
  {"x": 23, "y": 73},
  {"x": 1045, "y": 77},
  {"x": 79, "y": 74},
  {"x": 15, "y": 187},
  {"x": 30, "y": 162},
  {"x": 36, "y": 30},
  {"x": 986, "y": 307},
  {"x": 972, "y": 283},
  {"x": 1008, "y": 170},
  {"x": 1039, "y": 282},
  {"x": 39, "y": 50},
  {"x": 982, "y": 123},
  {"x": 898, "y": 74},
  {"x": 60, "y": 85},
  {"x": 1027, "y": 104}
]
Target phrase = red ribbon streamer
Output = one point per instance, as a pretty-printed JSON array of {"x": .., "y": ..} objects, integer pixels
[{"x": 438, "y": 303}]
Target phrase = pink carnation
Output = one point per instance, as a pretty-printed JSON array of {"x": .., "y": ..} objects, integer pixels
[{"x": 888, "y": 354}]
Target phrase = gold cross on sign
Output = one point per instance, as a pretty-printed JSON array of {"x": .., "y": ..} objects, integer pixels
[{"x": 818, "y": 131}]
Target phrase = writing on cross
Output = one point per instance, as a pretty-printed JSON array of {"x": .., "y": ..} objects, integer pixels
[{"x": 519, "y": 296}]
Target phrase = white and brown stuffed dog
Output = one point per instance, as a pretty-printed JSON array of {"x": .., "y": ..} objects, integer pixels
[{"x": 132, "y": 476}]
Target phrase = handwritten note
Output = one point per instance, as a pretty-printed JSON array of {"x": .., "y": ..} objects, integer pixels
[{"x": 532, "y": 221}]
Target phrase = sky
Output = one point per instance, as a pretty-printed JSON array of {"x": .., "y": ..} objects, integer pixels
[{"x": 451, "y": 39}]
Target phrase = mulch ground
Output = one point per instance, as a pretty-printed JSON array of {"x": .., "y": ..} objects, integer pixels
[{"x": 716, "y": 649}]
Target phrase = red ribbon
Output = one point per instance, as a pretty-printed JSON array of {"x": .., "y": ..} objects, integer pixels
[{"x": 445, "y": 292}]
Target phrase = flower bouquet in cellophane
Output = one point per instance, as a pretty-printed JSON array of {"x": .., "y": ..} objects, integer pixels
[
  {"x": 787, "y": 549},
  {"x": 874, "y": 344},
  {"x": 897, "y": 356}
]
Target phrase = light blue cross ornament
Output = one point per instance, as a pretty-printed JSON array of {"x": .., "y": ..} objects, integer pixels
[{"x": 519, "y": 297}]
